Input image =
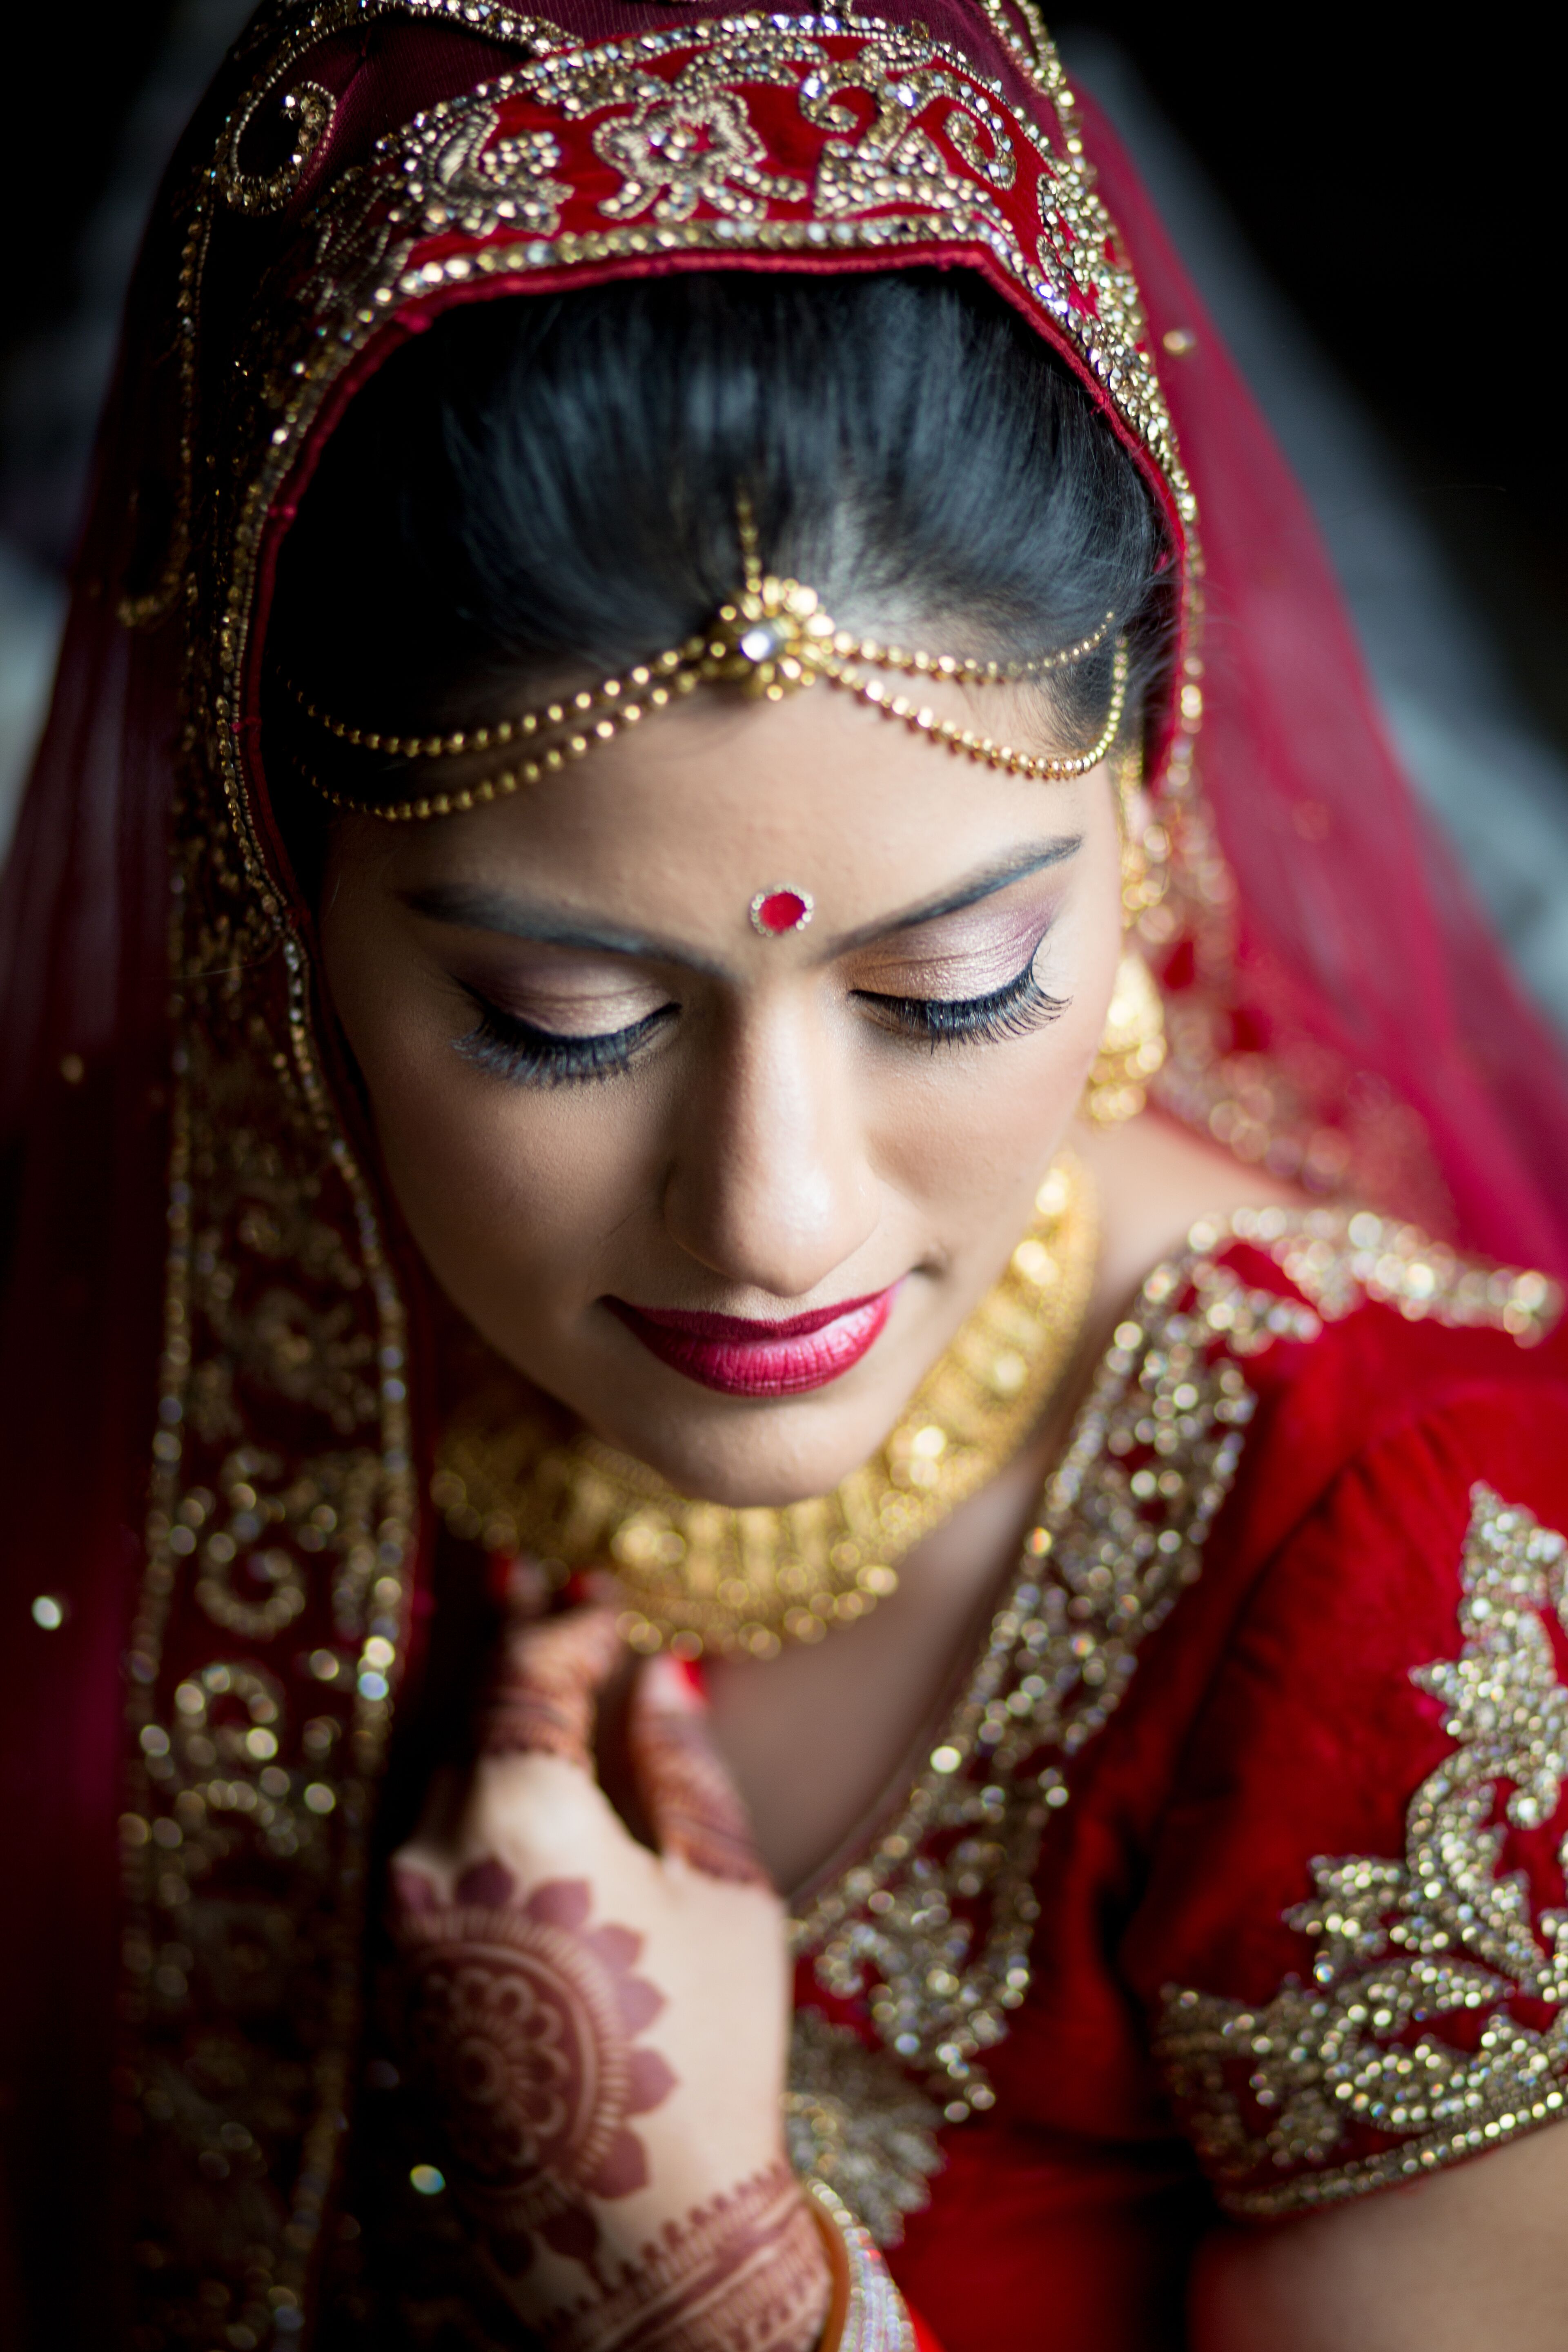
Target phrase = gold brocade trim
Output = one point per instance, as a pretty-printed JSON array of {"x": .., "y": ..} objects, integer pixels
[
  {"x": 516, "y": 1475},
  {"x": 365, "y": 229},
  {"x": 932, "y": 1924},
  {"x": 266, "y": 1643},
  {"x": 1441, "y": 1933}
]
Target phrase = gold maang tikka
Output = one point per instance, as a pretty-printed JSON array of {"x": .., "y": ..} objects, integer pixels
[
  {"x": 772, "y": 640},
  {"x": 516, "y": 1475}
]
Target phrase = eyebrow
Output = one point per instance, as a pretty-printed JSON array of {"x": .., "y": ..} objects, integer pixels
[
  {"x": 1014, "y": 868},
  {"x": 470, "y": 906}
]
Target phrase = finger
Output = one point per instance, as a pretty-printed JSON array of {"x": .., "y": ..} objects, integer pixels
[
  {"x": 545, "y": 1696},
  {"x": 694, "y": 1805}
]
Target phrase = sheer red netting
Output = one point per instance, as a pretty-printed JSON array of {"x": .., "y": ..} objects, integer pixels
[{"x": 1338, "y": 1008}]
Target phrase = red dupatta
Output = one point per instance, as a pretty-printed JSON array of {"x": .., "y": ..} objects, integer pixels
[{"x": 214, "y": 1414}]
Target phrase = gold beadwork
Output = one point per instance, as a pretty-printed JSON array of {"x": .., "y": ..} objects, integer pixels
[
  {"x": 854, "y": 2119},
  {"x": 772, "y": 640},
  {"x": 697, "y": 1576}
]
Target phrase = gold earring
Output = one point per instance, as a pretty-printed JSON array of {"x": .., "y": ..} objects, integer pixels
[
  {"x": 1133, "y": 1046},
  {"x": 1131, "y": 1049}
]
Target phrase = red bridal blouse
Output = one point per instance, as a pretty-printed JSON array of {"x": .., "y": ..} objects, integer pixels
[{"x": 1233, "y": 1885}]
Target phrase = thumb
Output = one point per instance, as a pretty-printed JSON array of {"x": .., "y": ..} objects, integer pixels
[{"x": 695, "y": 1808}]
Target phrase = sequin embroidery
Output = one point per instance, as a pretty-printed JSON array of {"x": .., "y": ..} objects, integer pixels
[{"x": 1406, "y": 1951}]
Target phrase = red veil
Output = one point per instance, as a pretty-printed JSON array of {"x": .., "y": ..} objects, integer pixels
[{"x": 214, "y": 1418}]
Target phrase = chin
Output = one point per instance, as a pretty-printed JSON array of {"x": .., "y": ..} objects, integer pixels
[{"x": 752, "y": 1453}]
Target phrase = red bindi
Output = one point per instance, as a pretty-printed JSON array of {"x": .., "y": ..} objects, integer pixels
[{"x": 781, "y": 909}]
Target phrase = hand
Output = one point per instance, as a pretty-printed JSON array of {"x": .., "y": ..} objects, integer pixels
[{"x": 602, "y": 2029}]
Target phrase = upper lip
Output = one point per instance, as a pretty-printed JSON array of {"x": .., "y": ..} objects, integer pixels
[{"x": 751, "y": 1327}]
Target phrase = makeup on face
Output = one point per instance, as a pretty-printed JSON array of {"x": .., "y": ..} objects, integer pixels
[
  {"x": 578, "y": 979},
  {"x": 744, "y": 1356}
]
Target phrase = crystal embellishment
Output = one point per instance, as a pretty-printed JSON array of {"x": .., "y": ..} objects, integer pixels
[{"x": 780, "y": 909}]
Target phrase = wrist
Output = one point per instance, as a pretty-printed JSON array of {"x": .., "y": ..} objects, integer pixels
[{"x": 747, "y": 2269}]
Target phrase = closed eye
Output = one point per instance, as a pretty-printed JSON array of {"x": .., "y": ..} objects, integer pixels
[
  {"x": 509, "y": 1048},
  {"x": 1014, "y": 1010}
]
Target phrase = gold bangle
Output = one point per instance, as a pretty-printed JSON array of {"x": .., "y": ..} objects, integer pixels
[{"x": 866, "y": 2312}]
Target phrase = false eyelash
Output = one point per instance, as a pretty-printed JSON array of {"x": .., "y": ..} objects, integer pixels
[
  {"x": 1014, "y": 1010},
  {"x": 509, "y": 1048}
]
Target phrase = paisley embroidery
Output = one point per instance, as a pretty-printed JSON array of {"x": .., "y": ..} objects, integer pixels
[{"x": 1411, "y": 1954}]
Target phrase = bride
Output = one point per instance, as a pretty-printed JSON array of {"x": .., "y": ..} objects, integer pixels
[{"x": 778, "y": 1418}]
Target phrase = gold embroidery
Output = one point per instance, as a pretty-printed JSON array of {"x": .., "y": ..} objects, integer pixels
[
  {"x": 245, "y": 1836},
  {"x": 853, "y": 2119},
  {"x": 474, "y": 181},
  {"x": 691, "y": 145},
  {"x": 1338, "y": 1261},
  {"x": 303, "y": 115},
  {"x": 1442, "y": 1935},
  {"x": 933, "y": 1924}
]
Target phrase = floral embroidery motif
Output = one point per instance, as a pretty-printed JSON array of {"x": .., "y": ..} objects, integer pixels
[
  {"x": 478, "y": 182},
  {"x": 1409, "y": 1954},
  {"x": 691, "y": 145}
]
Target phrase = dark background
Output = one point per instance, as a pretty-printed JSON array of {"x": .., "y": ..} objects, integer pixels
[{"x": 1401, "y": 190}]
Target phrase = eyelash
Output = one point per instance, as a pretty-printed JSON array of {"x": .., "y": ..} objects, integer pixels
[
  {"x": 509, "y": 1048},
  {"x": 1017, "y": 1008},
  {"x": 514, "y": 1049}
]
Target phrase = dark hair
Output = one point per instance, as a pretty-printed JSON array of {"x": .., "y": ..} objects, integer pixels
[{"x": 541, "y": 490}]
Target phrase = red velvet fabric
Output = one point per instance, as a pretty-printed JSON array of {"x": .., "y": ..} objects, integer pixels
[{"x": 1272, "y": 1719}]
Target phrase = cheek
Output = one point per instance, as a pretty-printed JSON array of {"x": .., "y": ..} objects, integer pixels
[
  {"x": 975, "y": 1124},
  {"x": 505, "y": 1190}
]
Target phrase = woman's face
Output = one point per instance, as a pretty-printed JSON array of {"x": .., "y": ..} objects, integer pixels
[{"x": 613, "y": 1112}]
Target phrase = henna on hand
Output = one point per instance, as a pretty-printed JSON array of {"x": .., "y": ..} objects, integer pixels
[
  {"x": 694, "y": 1805},
  {"x": 744, "y": 2274},
  {"x": 545, "y": 1695},
  {"x": 520, "y": 2022}
]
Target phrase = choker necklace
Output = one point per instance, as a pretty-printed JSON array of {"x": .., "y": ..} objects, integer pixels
[{"x": 517, "y": 1475}]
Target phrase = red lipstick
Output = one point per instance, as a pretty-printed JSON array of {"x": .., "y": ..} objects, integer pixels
[{"x": 743, "y": 1356}]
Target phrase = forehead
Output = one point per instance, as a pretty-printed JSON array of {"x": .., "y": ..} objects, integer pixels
[{"x": 691, "y": 807}]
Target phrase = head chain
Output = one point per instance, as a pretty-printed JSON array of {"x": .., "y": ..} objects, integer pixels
[{"x": 770, "y": 641}]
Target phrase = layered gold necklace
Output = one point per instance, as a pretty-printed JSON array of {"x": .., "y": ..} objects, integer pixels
[{"x": 517, "y": 1475}]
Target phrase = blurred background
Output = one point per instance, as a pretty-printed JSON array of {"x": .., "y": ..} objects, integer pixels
[{"x": 1373, "y": 214}]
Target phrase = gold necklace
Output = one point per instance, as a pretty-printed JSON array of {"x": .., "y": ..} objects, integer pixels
[{"x": 516, "y": 1474}]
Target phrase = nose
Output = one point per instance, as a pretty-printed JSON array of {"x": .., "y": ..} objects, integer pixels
[{"x": 770, "y": 1185}]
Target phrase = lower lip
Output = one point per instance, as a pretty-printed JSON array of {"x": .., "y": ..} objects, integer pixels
[{"x": 740, "y": 1358}]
